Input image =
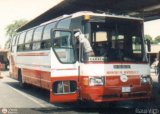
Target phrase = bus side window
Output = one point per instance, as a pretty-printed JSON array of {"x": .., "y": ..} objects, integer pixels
[
  {"x": 46, "y": 39},
  {"x": 37, "y": 38},
  {"x": 46, "y": 44},
  {"x": 12, "y": 43},
  {"x": 28, "y": 39},
  {"x": 65, "y": 23},
  {"x": 16, "y": 40},
  {"x": 20, "y": 46}
]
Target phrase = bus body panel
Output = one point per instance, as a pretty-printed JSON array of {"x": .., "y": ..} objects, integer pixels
[
  {"x": 112, "y": 89},
  {"x": 63, "y": 77},
  {"x": 35, "y": 68},
  {"x": 109, "y": 70}
]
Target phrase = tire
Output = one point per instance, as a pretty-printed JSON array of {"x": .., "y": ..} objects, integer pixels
[{"x": 21, "y": 84}]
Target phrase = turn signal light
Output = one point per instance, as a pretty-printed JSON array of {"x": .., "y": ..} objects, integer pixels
[
  {"x": 85, "y": 81},
  {"x": 87, "y": 17}
]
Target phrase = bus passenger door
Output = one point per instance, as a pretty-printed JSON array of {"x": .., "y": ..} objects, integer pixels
[{"x": 64, "y": 68}]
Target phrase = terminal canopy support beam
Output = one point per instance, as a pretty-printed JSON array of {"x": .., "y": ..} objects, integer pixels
[{"x": 147, "y": 9}]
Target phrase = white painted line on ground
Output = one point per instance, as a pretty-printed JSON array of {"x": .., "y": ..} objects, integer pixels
[{"x": 27, "y": 96}]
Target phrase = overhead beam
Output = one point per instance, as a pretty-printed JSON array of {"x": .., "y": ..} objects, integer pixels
[{"x": 147, "y": 9}]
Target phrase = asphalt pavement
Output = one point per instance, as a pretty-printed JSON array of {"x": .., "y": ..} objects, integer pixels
[{"x": 32, "y": 100}]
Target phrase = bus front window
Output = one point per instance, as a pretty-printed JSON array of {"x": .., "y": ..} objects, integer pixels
[{"x": 118, "y": 40}]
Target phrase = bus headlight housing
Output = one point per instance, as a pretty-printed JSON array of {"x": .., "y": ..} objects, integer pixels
[
  {"x": 96, "y": 81},
  {"x": 146, "y": 80}
]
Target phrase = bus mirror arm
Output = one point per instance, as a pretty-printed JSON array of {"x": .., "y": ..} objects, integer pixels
[{"x": 80, "y": 51}]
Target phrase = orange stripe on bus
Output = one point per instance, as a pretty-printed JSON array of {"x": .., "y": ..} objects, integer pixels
[
  {"x": 38, "y": 78},
  {"x": 65, "y": 69},
  {"x": 32, "y": 54},
  {"x": 35, "y": 65}
]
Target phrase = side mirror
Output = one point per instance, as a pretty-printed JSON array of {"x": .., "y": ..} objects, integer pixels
[{"x": 148, "y": 42}]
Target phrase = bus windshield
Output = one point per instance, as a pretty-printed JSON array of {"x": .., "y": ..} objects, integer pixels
[{"x": 118, "y": 40}]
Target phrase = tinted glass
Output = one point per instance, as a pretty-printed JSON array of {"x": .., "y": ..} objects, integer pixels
[
  {"x": 46, "y": 44},
  {"x": 21, "y": 38},
  {"x": 14, "y": 40},
  {"x": 122, "y": 38},
  {"x": 36, "y": 45},
  {"x": 47, "y": 29},
  {"x": 62, "y": 45},
  {"x": 38, "y": 34},
  {"x": 65, "y": 23},
  {"x": 29, "y": 36},
  {"x": 27, "y": 47}
]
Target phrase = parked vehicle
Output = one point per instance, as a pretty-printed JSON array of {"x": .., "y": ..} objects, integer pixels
[
  {"x": 4, "y": 59},
  {"x": 48, "y": 56}
]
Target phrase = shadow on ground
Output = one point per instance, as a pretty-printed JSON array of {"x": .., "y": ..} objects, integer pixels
[{"x": 125, "y": 107}]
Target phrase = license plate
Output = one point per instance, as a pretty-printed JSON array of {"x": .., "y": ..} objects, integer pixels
[{"x": 126, "y": 89}]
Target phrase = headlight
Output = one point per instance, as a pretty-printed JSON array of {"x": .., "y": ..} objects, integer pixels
[
  {"x": 145, "y": 80},
  {"x": 96, "y": 81}
]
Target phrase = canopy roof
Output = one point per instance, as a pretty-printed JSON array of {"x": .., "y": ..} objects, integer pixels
[{"x": 147, "y": 9}]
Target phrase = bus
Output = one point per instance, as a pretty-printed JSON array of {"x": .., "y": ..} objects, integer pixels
[
  {"x": 48, "y": 56},
  {"x": 4, "y": 59}
]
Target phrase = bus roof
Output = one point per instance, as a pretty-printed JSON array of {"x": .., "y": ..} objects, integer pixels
[
  {"x": 82, "y": 13},
  {"x": 104, "y": 15}
]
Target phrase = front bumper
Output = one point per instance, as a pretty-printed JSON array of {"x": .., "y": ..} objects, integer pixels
[{"x": 103, "y": 94}]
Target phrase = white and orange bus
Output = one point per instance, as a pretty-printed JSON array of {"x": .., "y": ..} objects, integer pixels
[{"x": 48, "y": 56}]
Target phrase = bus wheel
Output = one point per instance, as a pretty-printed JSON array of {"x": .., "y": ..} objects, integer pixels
[{"x": 21, "y": 84}]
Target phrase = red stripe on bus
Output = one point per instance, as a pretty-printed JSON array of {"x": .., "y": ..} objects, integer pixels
[
  {"x": 37, "y": 78},
  {"x": 98, "y": 62},
  {"x": 32, "y": 54},
  {"x": 65, "y": 69}
]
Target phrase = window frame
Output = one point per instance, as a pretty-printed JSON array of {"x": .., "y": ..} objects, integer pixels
[
  {"x": 52, "y": 40},
  {"x": 30, "y": 43},
  {"x": 40, "y": 40},
  {"x": 17, "y": 38},
  {"x": 64, "y": 19},
  {"x": 22, "y": 43},
  {"x": 49, "y": 32},
  {"x": 13, "y": 40}
]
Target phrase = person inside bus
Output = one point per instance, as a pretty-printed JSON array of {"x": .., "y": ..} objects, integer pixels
[{"x": 88, "y": 51}]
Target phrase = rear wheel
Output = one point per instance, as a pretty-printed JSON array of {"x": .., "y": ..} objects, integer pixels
[{"x": 21, "y": 83}]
